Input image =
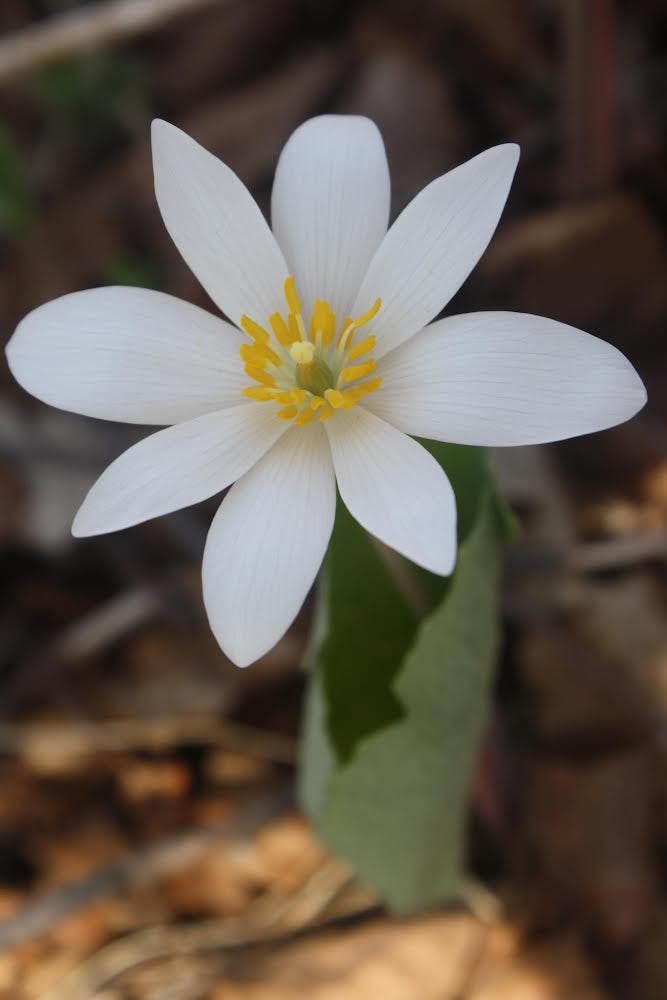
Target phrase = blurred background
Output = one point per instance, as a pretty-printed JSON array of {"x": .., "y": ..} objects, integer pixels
[{"x": 149, "y": 845}]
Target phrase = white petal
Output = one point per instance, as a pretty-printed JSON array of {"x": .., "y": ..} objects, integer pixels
[
  {"x": 216, "y": 225},
  {"x": 266, "y": 544},
  {"x": 330, "y": 206},
  {"x": 177, "y": 467},
  {"x": 128, "y": 354},
  {"x": 503, "y": 378},
  {"x": 434, "y": 244},
  {"x": 394, "y": 488}
]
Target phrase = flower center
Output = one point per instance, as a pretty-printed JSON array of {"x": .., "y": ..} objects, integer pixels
[{"x": 313, "y": 372}]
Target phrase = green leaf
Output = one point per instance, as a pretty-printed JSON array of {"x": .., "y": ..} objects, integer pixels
[
  {"x": 370, "y": 627},
  {"x": 373, "y": 610},
  {"x": 395, "y": 708}
]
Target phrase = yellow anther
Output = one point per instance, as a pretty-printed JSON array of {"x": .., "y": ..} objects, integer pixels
[
  {"x": 280, "y": 329},
  {"x": 259, "y": 375},
  {"x": 259, "y": 354},
  {"x": 350, "y": 325},
  {"x": 305, "y": 417},
  {"x": 254, "y": 330},
  {"x": 259, "y": 392},
  {"x": 293, "y": 328},
  {"x": 369, "y": 314},
  {"x": 335, "y": 398},
  {"x": 287, "y": 412},
  {"x": 292, "y": 296},
  {"x": 363, "y": 347},
  {"x": 323, "y": 321},
  {"x": 315, "y": 388},
  {"x": 359, "y": 391},
  {"x": 353, "y": 372},
  {"x": 303, "y": 352},
  {"x": 291, "y": 396}
]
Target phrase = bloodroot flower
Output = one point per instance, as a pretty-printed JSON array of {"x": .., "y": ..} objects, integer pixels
[{"x": 329, "y": 368}]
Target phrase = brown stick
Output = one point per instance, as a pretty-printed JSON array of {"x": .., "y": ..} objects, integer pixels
[
  {"x": 39, "y": 740},
  {"x": 138, "y": 867},
  {"x": 270, "y": 921},
  {"x": 87, "y": 28}
]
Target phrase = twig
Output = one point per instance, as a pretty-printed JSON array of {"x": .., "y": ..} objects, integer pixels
[
  {"x": 614, "y": 553},
  {"x": 138, "y": 867},
  {"x": 271, "y": 921},
  {"x": 39, "y": 739},
  {"x": 592, "y": 557},
  {"x": 90, "y": 634},
  {"x": 84, "y": 29}
]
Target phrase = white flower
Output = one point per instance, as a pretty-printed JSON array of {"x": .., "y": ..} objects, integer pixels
[{"x": 307, "y": 397}]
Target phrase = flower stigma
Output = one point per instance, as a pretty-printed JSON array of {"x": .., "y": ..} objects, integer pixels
[{"x": 310, "y": 372}]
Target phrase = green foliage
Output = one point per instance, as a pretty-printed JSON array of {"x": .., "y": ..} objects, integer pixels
[
  {"x": 132, "y": 270},
  {"x": 16, "y": 202},
  {"x": 395, "y": 707},
  {"x": 369, "y": 631},
  {"x": 96, "y": 94}
]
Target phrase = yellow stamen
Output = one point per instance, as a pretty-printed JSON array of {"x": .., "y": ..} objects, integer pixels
[
  {"x": 363, "y": 347},
  {"x": 292, "y": 296},
  {"x": 259, "y": 375},
  {"x": 335, "y": 398},
  {"x": 293, "y": 327},
  {"x": 303, "y": 352},
  {"x": 254, "y": 330},
  {"x": 259, "y": 354},
  {"x": 353, "y": 372},
  {"x": 291, "y": 396},
  {"x": 369, "y": 314},
  {"x": 353, "y": 396},
  {"x": 323, "y": 321},
  {"x": 348, "y": 330},
  {"x": 259, "y": 392},
  {"x": 287, "y": 412},
  {"x": 350, "y": 325},
  {"x": 305, "y": 417},
  {"x": 280, "y": 329},
  {"x": 315, "y": 387}
]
